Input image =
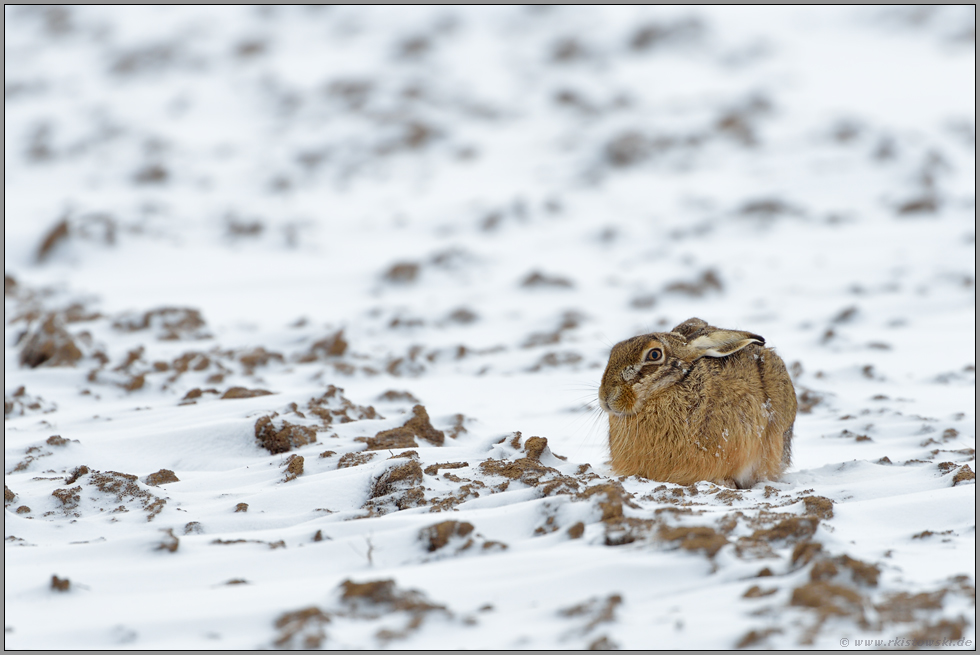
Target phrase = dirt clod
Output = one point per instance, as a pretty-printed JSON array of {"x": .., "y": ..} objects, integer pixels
[
  {"x": 695, "y": 538},
  {"x": 163, "y": 476},
  {"x": 965, "y": 474},
  {"x": 294, "y": 468},
  {"x": 282, "y": 439},
  {"x": 797, "y": 527},
  {"x": 822, "y": 508},
  {"x": 433, "y": 469},
  {"x": 124, "y": 487},
  {"x": 385, "y": 592},
  {"x": 60, "y": 584},
  {"x": 418, "y": 426},
  {"x": 402, "y": 273},
  {"x": 755, "y": 637},
  {"x": 755, "y": 591},
  {"x": 241, "y": 507},
  {"x": 242, "y": 392},
  {"x": 354, "y": 459},
  {"x": 398, "y": 396},
  {"x": 399, "y": 485},
  {"x": 536, "y": 279},
  {"x": 69, "y": 497},
  {"x": 169, "y": 323},
  {"x": 805, "y": 551},
  {"x": 58, "y": 233},
  {"x": 708, "y": 281},
  {"x": 828, "y": 599},
  {"x": 48, "y": 343},
  {"x": 170, "y": 542},
  {"x": 438, "y": 535},
  {"x": 615, "y": 498},
  {"x": 305, "y": 626},
  {"x": 334, "y": 345},
  {"x": 577, "y": 530},
  {"x": 78, "y": 472}
]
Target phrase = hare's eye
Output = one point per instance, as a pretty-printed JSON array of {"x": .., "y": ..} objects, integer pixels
[{"x": 654, "y": 355}]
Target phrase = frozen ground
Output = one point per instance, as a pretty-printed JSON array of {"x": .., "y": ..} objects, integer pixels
[{"x": 361, "y": 210}]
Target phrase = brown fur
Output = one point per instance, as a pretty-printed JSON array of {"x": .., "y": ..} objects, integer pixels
[{"x": 717, "y": 405}]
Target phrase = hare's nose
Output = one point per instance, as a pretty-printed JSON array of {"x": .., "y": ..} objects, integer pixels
[{"x": 607, "y": 398}]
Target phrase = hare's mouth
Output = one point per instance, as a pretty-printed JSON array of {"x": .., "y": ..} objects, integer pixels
[{"x": 612, "y": 404}]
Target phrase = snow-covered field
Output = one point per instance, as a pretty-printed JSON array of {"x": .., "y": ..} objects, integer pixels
[{"x": 305, "y": 312}]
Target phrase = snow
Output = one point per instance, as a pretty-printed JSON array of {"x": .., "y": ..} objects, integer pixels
[{"x": 480, "y": 202}]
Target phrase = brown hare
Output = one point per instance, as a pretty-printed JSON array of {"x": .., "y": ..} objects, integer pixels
[{"x": 698, "y": 403}]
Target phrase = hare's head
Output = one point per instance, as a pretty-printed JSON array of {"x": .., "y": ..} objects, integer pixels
[{"x": 645, "y": 365}]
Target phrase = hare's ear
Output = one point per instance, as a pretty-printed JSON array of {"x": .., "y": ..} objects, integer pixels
[
  {"x": 722, "y": 343},
  {"x": 692, "y": 327}
]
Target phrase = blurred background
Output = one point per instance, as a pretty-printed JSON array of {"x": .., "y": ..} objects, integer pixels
[{"x": 499, "y": 180}]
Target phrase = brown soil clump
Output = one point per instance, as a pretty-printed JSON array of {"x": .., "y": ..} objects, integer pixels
[
  {"x": 598, "y": 612},
  {"x": 241, "y": 507},
  {"x": 354, "y": 459},
  {"x": 69, "y": 497},
  {"x": 78, "y": 472},
  {"x": 170, "y": 542},
  {"x": 696, "y": 538},
  {"x": 58, "y": 233},
  {"x": 256, "y": 357},
  {"x": 822, "y": 508},
  {"x": 794, "y": 528},
  {"x": 404, "y": 437},
  {"x": 433, "y": 469},
  {"x": 56, "y": 440},
  {"x": 805, "y": 551},
  {"x": 965, "y": 474},
  {"x": 384, "y": 592},
  {"x": 943, "y": 630},
  {"x": 462, "y": 494},
  {"x": 576, "y": 531},
  {"x": 755, "y": 637},
  {"x": 242, "y": 392},
  {"x": 398, "y": 396},
  {"x": 334, "y": 406},
  {"x": 306, "y": 623},
  {"x": 124, "y": 487},
  {"x": 538, "y": 279},
  {"x": 755, "y": 591},
  {"x": 708, "y": 281},
  {"x": 903, "y": 606},
  {"x": 163, "y": 476},
  {"x": 48, "y": 343},
  {"x": 282, "y": 440},
  {"x": 829, "y": 600},
  {"x": 861, "y": 572},
  {"x": 402, "y": 272},
  {"x": 391, "y": 439},
  {"x": 615, "y": 498},
  {"x": 60, "y": 584},
  {"x": 8, "y": 495},
  {"x": 530, "y": 470},
  {"x": 332, "y": 346},
  {"x": 294, "y": 468},
  {"x": 807, "y": 400},
  {"x": 170, "y": 323},
  {"x": 458, "y": 428},
  {"x": 399, "y": 486},
  {"x": 438, "y": 535}
]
